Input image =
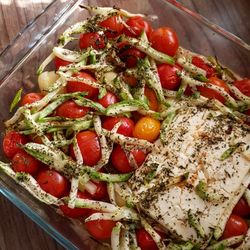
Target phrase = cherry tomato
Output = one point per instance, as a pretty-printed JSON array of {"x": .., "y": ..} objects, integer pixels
[
  {"x": 77, "y": 212},
  {"x": 165, "y": 40},
  {"x": 147, "y": 128},
  {"x": 130, "y": 80},
  {"x": 53, "y": 183},
  {"x": 120, "y": 161},
  {"x": 242, "y": 208},
  {"x": 243, "y": 86},
  {"x": 91, "y": 40},
  {"x": 197, "y": 61},
  {"x": 152, "y": 99},
  {"x": 212, "y": 94},
  {"x": 137, "y": 24},
  {"x": 168, "y": 76},
  {"x": 30, "y": 98},
  {"x": 90, "y": 148},
  {"x": 126, "y": 127},
  {"x": 145, "y": 241},
  {"x": 108, "y": 99},
  {"x": 23, "y": 162},
  {"x": 12, "y": 142},
  {"x": 113, "y": 25},
  {"x": 101, "y": 190},
  {"x": 37, "y": 139},
  {"x": 100, "y": 229},
  {"x": 130, "y": 56},
  {"x": 81, "y": 86},
  {"x": 235, "y": 226},
  {"x": 60, "y": 62},
  {"x": 70, "y": 109}
]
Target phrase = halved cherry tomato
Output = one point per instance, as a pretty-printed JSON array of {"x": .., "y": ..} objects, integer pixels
[
  {"x": 145, "y": 241},
  {"x": 147, "y": 128},
  {"x": 30, "y": 98},
  {"x": 137, "y": 24},
  {"x": 152, "y": 99},
  {"x": 108, "y": 99},
  {"x": 126, "y": 127},
  {"x": 12, "y": 143},
  {"x": 212, "y": 94},
  {"x": 70, "y": 109},
  {"x": 60, "y": 62},
  {"x": 23, "y": 162},
  {"x": 90, "y": 148},
  {"x": 53, "y": 183},
  {"x": 113, "y": 25},
  {"x": 91, "y": 39},
  {"x": 235, "y": 226},
  {"x": 100, "y": 229},
  {"x": 77, "y": 212},
  {"x": 165, "y": 40},
  {"x": 168, "y": 76},
  {"x": 243, "y": 86},
  {"x": 242, "y": 208},
  {"x": 130, "y": 56},
  {"x": 120, "y": 161},
  {"x": 130, "y": 80},
  {"x": 197, "y": 61},
  {"x": 81, "y": 86},
  {"x": 101, "y": 190}
]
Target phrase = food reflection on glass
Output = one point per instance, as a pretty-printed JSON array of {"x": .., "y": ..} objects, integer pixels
[{"x": 146, "y": 141}]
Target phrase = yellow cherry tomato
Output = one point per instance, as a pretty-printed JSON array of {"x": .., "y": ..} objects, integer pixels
[
  {"x": 147, "y": 128},
  {"x": 152, "y": 99}
]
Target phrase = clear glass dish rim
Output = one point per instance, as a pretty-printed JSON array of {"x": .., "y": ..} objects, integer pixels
[{"x": 10, "y": 195}]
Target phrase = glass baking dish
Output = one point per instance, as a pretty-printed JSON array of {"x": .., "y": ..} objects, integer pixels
[{"x": 20, "y": 60}]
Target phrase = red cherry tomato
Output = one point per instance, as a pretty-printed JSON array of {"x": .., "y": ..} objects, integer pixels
[
  {"x": 145, "y": 241},
  {"x": 81, "y": 86},
  {"x": 100, "y": 229},
  {"x": 242, "y": 208},
  {"x": 12, "y": 142},
  {"x": 126, "y": 127},
  {"x": 30, "y": 98},
  {"x": 77, "y": 212},
  {"x": 120, "y": 161},
  {"x": 91, "y": 40},
  {"x": 70, "y": 109},
  {"x": 197, "y": 61},
  {"x": 37, "y": 139},
  {"x": 90, "y": 148},
  {"x": 212, "y": 94},
  {"x": 243, "y": 86},
  {"x": 101, "y": 190},
  {"x": 168, "y": 76},
  {"x": 130, "y": 56},
  {"x": 53, "y": 183},
  {"x": 113, "y": 25},
  {"x": 23, "y": 162},
  {"x": 165, "y": 40},
  {"x": 60, "y": 62},
  {"x": 137, "y": 24},
  {"x": 130, "y": 80},
  {"x": 235, "y": 226},
  {"x": 108, "y": 99}
]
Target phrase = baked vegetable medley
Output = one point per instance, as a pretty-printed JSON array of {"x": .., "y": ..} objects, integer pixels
[{"x": 144, "y": 141}]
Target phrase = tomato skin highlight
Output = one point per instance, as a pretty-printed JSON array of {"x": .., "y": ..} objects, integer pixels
[
  {"x": 12, "y": 142},
  {"x": 168, "y": 76},
  {"x": 137, "y": 24},
  {"x": 108, "y": 99},
  {"x": 165, "y": 40},
  {"x": 53, "y": 183},
  {"x": 91, "y": 39},
  {"x": 81, "y": 86},
  {"x": 120, "y": 161},
  {"x": 147, "y": 128},
  {"x": 243, "y": 85},
  {"x": 100, "y": 229},
  {"x": 70, "y": 109},
  {"x": 113, "y": 25},
  {"x": 198, "y": 62},
  {"x": 145, "y": 241},
  {"x": 60, "y": 62},
  {"x": 77, "y": 212},
  {"x": 212, "y": 94},
  {"x": 235, "y": 226},
  {"x": 242, "y": 208},
  {"x": 90, "y": 148},
  {"x": 23, "y": 162},
  {"x": 126, "y": 127},
  {"x": 30, "y": 98}
]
